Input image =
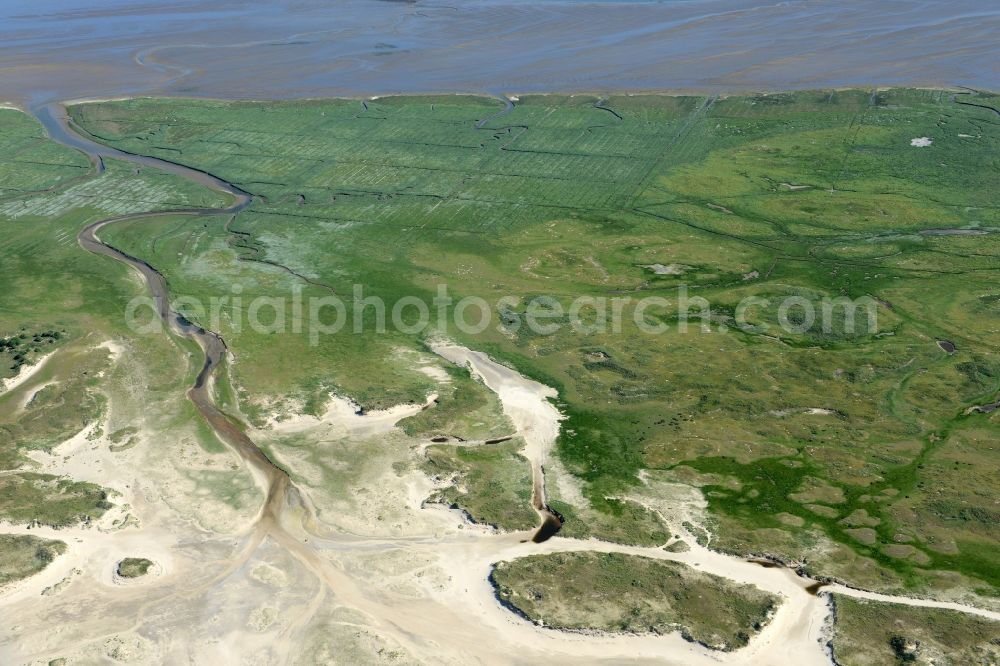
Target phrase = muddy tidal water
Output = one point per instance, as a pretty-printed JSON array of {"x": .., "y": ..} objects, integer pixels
[{"x": 67, "y": 49}]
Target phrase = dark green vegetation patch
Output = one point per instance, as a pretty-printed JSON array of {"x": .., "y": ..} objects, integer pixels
[
  {"x": 490, "y": 482},
  {"x": 134, "y": 567},
  {"x": 24, "y": 555},
  {"x": 52, "y": 500},
  {"x": 23, "y": 347},
  {"x": 870, "y": 633},
  {"x": 627, "y": 593}
]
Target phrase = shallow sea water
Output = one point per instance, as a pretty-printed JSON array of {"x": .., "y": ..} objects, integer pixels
[{"x": 304, "y": 48}]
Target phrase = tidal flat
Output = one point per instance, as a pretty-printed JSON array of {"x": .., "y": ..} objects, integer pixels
[{"x": 285, "y": 49}]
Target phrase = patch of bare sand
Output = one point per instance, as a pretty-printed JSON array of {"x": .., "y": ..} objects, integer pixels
[
  {"x": 115, "y": 348},
  {"x": 361, "y": 473},
  {"x": 525, "y": 402},
  {"x": 26, "y": 374},
  {"x": 436, "y": 373},
  {"x": 94, "y": 611},
  {"x": 344, "y": 417}
]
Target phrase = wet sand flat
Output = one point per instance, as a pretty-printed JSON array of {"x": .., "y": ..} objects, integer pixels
[{"x": 281, "y": 49}]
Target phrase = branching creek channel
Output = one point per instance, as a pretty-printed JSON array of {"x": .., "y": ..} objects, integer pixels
[
  {"x": 280, "y": 489},
  {"x": 467, "y": 619},
  {"x": 58, "y": 124}
]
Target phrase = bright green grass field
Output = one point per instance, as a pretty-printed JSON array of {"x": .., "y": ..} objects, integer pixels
[{"x": 848, "y": 451}]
